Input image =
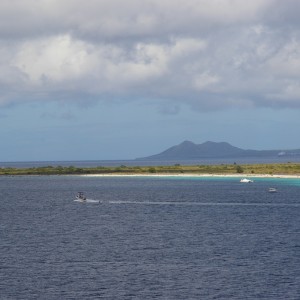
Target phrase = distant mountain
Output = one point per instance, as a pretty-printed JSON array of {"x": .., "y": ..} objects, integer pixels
[{"x": 189, "y": 151}]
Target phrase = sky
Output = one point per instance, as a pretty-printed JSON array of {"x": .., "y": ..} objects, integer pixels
[{"x": 121, "y": 79}]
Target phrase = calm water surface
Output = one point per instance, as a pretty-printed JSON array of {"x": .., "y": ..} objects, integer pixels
[{"x": 151, "y": 238}]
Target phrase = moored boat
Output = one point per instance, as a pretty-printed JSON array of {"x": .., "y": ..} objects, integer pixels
[
  {"x": 272, "y": 190},
  {"x": 246, "y": 180}
]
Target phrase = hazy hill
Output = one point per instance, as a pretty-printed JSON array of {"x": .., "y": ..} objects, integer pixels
[{"x": 189, "y": 151}]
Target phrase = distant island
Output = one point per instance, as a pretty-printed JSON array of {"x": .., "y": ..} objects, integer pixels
[
  {"x": 183, "y": 152},
  {"x": 188, "y": 150}
]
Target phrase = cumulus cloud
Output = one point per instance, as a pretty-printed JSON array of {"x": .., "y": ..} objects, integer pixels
[{"x": 205, "y": 54}]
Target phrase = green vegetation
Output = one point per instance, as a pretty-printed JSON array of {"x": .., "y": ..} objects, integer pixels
[
  {"x": 271, "y": 169},
  {"x": 239, "y": 169}
]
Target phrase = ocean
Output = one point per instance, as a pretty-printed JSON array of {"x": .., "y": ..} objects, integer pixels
[
  {"x": 149, "y": 238},
  {"x": 116, "y": 163}
]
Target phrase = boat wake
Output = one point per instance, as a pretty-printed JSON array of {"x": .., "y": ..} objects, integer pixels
[
  {"x": 174, "y": 203},
  {"x": 203, "y": 203},
  {"x": 88, "y": 201}
]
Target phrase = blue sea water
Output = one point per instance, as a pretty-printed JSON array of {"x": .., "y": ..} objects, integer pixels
[
  {"x": 150, "y": 238},
  {"x": 116, "y": 163}
]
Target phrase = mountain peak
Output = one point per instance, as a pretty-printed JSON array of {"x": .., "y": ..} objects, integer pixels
[
  {"x": 186, "y": 142},
  {"x": 188, "y": 150}
]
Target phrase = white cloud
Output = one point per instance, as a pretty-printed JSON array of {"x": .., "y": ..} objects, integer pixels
[
  {"x": 204, "y": 80},
  {"x": 55, "y": 59}
]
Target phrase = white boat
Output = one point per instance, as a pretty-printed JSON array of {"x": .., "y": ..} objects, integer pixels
[
  {"x": 80, "y": 197},
  {"x": 272, "y": 190},
  {"x": 246, "y": 180}
]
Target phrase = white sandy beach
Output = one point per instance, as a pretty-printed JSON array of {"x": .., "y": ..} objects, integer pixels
[{"x": 195, "y": 175}]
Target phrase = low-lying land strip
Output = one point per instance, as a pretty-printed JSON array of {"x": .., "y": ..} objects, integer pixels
[{"x": 177, "y": 169}]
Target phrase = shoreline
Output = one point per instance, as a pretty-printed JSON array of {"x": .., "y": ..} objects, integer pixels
[
  {"x": 195, "y": 175},
  {"x": 289, "y": 170}
]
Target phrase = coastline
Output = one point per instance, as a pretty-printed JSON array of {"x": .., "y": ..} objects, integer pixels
[
  {"x": 195, "y": 175},
  {"x": 288, "y": 170}
]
